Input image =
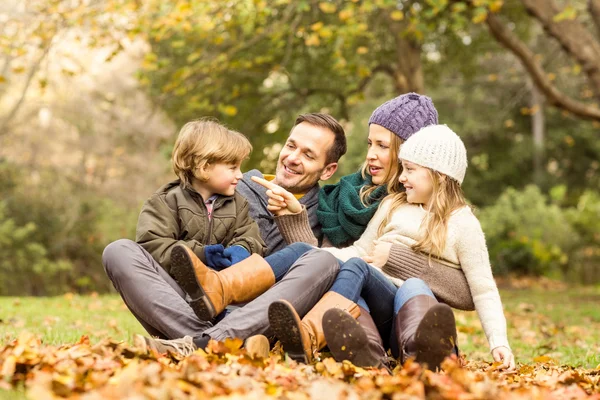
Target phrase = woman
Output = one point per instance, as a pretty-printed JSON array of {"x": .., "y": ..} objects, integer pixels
[{"x": 346, "y": 208}]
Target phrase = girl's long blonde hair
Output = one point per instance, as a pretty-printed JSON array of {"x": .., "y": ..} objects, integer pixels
[
  {"x": 393, "y": 185},
  {"x": 447, "y": 197}
]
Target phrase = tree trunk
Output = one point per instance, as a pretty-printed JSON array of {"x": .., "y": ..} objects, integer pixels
[
  {"x": 408, "y": 72},
  {"x": 538, "y": 129}
]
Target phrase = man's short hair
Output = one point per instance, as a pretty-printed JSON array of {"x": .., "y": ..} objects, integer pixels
[{"x": 339, "y": 147}]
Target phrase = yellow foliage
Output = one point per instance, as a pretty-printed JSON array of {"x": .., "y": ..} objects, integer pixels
[
  {"x": 346, "y": 14},
  {"x": 312, "y": 40},
  {"x": 316, "y": 26},
  {"x": 327, "y": 8},
  {"x": 509, "y": 123},
  {"x": 362, "y": 50},
  {"x": 492, "y": 77},
  {"x": 479, "y": 18},
  {"x": 569, "y": 141},
  {"x": 397, "y": 15},
  {"x": 230, "y": 110},
  {"x": 326, "y": 33},
  {"x": 363, "y": 71},
  {"x": 551, "y": 76},
  {"x": 495, "y": 6}
]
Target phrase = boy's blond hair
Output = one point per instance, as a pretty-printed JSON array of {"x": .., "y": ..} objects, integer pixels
[{"x": 203, "y": 142}]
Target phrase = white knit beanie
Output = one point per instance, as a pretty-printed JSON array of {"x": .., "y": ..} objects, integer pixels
[{"x": 439, "y": 148}]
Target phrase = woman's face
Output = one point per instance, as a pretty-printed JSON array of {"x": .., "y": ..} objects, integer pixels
[{"x": 378, "y": 155}]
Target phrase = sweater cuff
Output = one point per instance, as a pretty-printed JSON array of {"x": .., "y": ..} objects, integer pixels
[
  {"x": 404, "y": 263},
  {"x": 296, "y": 228},
  {"x": 498, "y": 341}
]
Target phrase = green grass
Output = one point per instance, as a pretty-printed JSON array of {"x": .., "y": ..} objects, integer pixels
[
  {"x": 64, "y": 319},
  {"x": 563, "y": 324}
]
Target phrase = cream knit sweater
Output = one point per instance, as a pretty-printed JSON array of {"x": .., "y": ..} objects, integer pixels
[{"x": 465, "y": 249}]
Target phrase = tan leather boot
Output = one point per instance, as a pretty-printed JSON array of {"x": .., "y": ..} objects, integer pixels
[
  {"x": 211, "y": 291},
  {"x": 354, "y": 339},
  {"x": 257, "y": 346},
  {"x": 426, "y": 331},
  {"x": 301, "y": 339}
]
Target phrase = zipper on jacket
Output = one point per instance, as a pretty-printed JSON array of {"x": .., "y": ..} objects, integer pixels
[{"x": 210, "y": 220}]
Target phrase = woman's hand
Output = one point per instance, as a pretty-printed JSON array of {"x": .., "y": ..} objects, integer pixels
[
  {"x": 380, "y": 254},
  {"x": 281, "y": 202},
  {"x": 504, "y": 355}
]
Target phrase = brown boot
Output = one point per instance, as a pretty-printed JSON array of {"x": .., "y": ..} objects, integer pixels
[
  {"x": 355, "y": 340},
  {"x": 212, "y": 291},
  {"x": 257, "y": 346},
  {"x": 426, "y": 331},
  {"x": 301, "y": 339}
]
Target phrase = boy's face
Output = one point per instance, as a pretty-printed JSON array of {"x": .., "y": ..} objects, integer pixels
[
  {"x": 222, "y": 179},
  {"x": 303, "y": 160}
]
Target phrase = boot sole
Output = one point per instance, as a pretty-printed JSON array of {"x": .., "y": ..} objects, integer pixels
[
  {"x": 345, "y": 337},
  {"x": 183, "y": 272},
  {"x": 435, "y": 337},
  {"x": 286, "y": 324}
]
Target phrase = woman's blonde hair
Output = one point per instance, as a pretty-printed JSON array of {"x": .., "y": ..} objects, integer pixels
[
  {"x": 204, "y": 142},
  {"x": 393, "y": 185},
  {"x": 447, "y": 197}
]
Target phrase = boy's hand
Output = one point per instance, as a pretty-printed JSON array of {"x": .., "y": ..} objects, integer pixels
[
  {"x": 281, "y": 202},
  {"x": 380, "y": 255},
  {"x": 215, "y": 257},
  {"x": 506, "y": 356},
  {"x": 236, "y": 253}
]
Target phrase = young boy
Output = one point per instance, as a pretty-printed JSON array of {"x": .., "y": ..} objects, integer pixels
[{"x": 201, "y": 214}]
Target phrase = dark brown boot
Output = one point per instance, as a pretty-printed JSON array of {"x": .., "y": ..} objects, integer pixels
[
  {"x": 301, "y": 339},
  {"x": 355, "y": 340},
  {"x": 426, "y": 331},
  {"x": 211, "y": 291}
]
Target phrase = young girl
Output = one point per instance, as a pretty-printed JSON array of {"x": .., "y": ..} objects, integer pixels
[{"x": 430, "y": 217}]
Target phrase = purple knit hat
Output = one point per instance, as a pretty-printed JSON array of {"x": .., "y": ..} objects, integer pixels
[{"x": 406, "y": 114}]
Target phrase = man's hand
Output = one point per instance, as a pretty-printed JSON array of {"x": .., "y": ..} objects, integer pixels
[
  {"x": 215, "y": 257},
  {"x": 380, "y": 254},
  {"x": 506, "y": 356},
  {"x": 281, "y": 202}
]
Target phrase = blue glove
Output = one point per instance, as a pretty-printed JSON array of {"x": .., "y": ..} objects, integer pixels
[
  {"x": 236, "y": 253},
  {"x": 215, "y": 257}
]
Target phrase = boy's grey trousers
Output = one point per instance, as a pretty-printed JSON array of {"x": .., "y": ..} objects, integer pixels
[{"x": 162, "y": 306}]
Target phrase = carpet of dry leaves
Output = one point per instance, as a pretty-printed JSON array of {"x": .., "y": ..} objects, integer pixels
[{"x": 116, "y": 370}]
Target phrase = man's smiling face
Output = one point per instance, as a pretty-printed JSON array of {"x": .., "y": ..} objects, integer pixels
[{"x": 303, "y": 160}]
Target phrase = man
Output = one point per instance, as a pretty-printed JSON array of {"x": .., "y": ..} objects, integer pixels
[{"x": 310, "y": 154}]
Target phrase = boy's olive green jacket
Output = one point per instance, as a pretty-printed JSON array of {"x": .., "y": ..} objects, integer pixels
[{"x": 176, "y": 215}]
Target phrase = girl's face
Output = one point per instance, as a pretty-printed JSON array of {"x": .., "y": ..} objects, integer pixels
[
  {"x": 417, "y": 182},
  {"x": 378, "y": 155}
]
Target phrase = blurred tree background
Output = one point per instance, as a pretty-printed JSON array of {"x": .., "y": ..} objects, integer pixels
[{"x": 92, "y": 93}]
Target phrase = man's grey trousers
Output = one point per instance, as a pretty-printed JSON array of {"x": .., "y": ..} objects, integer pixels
[{"x": 162, "y": 306}]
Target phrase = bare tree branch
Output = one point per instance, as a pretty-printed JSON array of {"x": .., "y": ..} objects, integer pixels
[
  {"x": 572, "y": 35},
  {"x": 509, "y": 40},
  {"x": 594, "y": 9},
  {"x": 32, "y": 71}
]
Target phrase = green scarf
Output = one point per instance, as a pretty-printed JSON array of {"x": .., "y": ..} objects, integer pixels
[{"x": 342, "y": 215}]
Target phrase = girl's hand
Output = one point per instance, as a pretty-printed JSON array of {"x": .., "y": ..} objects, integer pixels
[
  {"x": 281, "y": 202},
  {"x": 380, "y": 254},
  {"x": 506, "y": 356}
]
